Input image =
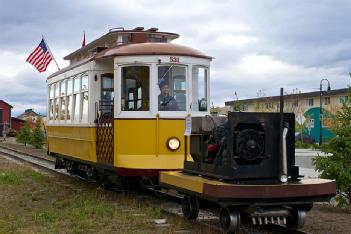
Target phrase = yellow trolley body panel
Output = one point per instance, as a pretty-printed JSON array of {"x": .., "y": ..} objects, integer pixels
[
  {"x": 75, "y": 142},
  {"x": 141, "y": 143}
]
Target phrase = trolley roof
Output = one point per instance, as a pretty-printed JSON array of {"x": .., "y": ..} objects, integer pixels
[{"x": 151, "y": 49}]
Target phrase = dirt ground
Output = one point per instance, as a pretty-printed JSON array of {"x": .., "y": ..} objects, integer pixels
[
  {"x": 323, "y": 218},
  {"x": 22, "y": 213}
]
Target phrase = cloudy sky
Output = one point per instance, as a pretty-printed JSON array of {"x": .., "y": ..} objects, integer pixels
[{"x": 257, "y": 45}]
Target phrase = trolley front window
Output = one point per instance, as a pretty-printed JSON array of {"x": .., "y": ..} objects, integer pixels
[
  {"x": 135, "y": 88},
  {"x": 199, "y": 89},
  {"x": 172, "y": 86}
]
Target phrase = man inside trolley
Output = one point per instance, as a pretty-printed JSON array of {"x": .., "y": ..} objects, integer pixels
[{"x": 165, "y": 101}]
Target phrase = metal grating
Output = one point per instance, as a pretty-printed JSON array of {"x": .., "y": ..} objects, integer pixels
[{"x": 104, "y": 133}]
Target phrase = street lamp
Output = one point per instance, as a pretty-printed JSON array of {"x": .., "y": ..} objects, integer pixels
[{"x": 320, "y": 107}]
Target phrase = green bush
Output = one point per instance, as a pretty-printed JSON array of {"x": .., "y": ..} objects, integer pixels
[
  {"x": 37, "y": 137},
  {"x": 24, "y": 135},
  {"x": 338, "y": 166}
]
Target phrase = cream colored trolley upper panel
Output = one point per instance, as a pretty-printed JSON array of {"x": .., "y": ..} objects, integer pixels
[
  {"x": 153, "y": 62},
  {"x": 164, "y": 59},
  {"x": 93, "y": 70},
  {"x": 83, "y": 68}
]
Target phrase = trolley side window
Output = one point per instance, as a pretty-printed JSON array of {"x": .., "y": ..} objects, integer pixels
[
  {"x": 172, "y": 86},
  {"x": 69, "y": 98},
  {"x": 51, "y": 101},
  {"x": 135, "y": 88},
  {"x": 76, "y": 106},
  {"x": 84, "y": 98},
  {"x": 85, "y": 102},
  {"x": 199, "y": 89},
  {"x": 62, "y": 100}
]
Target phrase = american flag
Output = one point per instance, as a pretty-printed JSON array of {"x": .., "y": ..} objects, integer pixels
[{"x": 40, "y": 57}]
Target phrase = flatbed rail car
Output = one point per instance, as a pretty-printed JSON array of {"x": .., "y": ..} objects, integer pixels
[
  {"x": 245, "y": 165},
  {"x": 120, "y": 106}
]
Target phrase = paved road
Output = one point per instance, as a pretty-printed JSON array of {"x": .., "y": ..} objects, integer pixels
[
  {"x": 303, "y": 159},
  {"x": 309, "y": 153}
]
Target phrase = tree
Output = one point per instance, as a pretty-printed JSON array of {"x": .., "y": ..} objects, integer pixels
[
  {"x": 37, "y": 138},
  {"x": 237, "y": 105},
  {"x": 338, "y": 166},
  {"x": 24, "y": 135}
]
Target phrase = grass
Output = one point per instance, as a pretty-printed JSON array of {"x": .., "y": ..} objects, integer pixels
[
  {"x": 14, "y": 178},
  {"x": 31, "y": 202},
  {"x": 10, "y": 178}
]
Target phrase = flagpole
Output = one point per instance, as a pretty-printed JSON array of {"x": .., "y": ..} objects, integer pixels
[{"x": 51, "y": 52}]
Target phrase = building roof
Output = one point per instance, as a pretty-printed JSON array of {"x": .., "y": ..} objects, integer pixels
[
  {"x": 6, "y": 103},
  {"x": 17, "y": 119},
  {"x": 151, "y": 49},
  {"x": 291, "y": 96},
  {"x": 28, "y": 112}
]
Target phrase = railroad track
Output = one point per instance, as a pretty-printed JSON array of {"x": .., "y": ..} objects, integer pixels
[
  {"x": 38, "y": 162},
  {"x": 167, "y": 202}
]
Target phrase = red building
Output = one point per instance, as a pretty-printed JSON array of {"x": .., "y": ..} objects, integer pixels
[
  {"x": 16, "y": 123},
  {"x": 5, "y": 117}
]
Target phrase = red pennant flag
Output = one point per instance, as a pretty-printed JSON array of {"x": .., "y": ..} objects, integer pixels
[{"x": 83, "y": 43}]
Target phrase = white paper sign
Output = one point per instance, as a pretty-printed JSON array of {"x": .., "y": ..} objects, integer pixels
[{"x": 187, "y": 126}]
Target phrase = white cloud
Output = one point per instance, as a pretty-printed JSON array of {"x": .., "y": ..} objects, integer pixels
[{"x": 235, "y": 40}]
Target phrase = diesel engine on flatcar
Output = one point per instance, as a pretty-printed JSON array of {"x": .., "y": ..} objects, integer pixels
[{"x": 243, "y": 147}]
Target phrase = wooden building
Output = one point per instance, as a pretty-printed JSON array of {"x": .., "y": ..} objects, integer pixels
[{"x": 5, "y": 117}]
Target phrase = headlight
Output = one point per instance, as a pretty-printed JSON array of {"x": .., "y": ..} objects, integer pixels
[{"x": 173, "y": 143}]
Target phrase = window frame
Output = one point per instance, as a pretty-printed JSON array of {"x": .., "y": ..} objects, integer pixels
[
  {"x": 81, "y": 91},
  {"x": 308, "y": 101},
  {"x": 51, "y": 98},
  {"x": 118, "y": 91},
  {"x": 207, "y": 72},
  {"x": 66, "y": 96},
  {"x": 158, "y": 91},
  {"x": 62, "y": 96},
  {"x": 343, "y": 99},
  {"x": 325, "y": 102}
]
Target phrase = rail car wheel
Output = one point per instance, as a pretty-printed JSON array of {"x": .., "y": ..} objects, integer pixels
[
  {"x": 70, "y": 167},
  {"x": 91, "y": 173},
  {"x": 297, "y": 220},
  {"x": 190, "y": 207},
  {"x": 229, "y": 218}
]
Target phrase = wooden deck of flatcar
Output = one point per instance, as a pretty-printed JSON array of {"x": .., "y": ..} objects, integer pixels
[{"x": 219, "y": 190}]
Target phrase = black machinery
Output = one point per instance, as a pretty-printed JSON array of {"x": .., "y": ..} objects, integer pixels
[{"x": 243, "y": 147}]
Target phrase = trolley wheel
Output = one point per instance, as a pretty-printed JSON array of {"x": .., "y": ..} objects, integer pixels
[
  {"x": 70, "y": 167},
  {"x": 229, "y": 218},
  {"x": 297, "y": 220},
  {"x": 190, "y": 207}
]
